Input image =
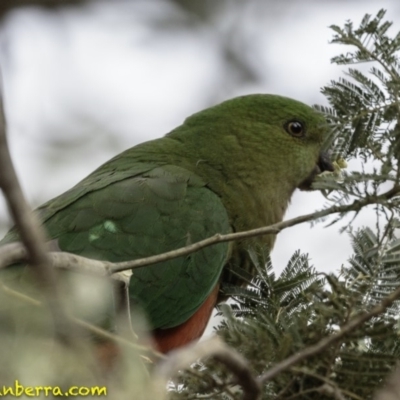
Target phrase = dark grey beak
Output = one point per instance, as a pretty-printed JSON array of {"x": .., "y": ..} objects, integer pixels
[{"x": 323, "y": 164}]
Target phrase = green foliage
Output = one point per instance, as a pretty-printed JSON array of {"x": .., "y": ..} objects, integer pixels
[
  {"x": 364, "y": 115},
  {"x": 366, "y": 106},
  {"x": 275, "y": 317}
]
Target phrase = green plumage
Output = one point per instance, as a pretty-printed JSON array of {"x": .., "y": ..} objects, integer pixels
[{"x": 228, "y": 168}]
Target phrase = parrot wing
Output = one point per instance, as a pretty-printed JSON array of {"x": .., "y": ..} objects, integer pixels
[{"x": 159, "y": 209}]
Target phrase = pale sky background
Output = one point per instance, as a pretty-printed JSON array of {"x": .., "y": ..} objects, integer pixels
[{"x": 83, "y": 83}]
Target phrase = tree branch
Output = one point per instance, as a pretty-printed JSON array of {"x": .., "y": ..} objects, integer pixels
[
  {"x": 13, "y": 253},
  {"x": 328, "y": 382},
  {"x": 328, "y": 341},
  {"x": 31, "y": 233},
  {"x": 215, "y": 348},
  {"x": 357, "y": 205},
  {"x": 8, "y": 5}
]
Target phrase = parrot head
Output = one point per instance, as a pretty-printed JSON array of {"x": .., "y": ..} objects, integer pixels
[{"x": 271, "y": 140}]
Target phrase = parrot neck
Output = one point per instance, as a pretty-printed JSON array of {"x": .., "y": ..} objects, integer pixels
[
  {"x": 254, "y": 185},
  {"x": 250, "y": 183}
]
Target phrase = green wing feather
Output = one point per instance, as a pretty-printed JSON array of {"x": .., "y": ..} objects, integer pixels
[{"x": 159, "y": 209}]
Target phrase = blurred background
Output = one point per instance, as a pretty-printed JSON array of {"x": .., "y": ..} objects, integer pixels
[{"x": 84, "y": 80}]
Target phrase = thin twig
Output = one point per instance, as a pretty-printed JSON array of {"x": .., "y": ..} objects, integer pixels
[
  {"x": 327, "y": 381},
  {"x": 31, "y": 233},
  {"x": 328, "y": 341},
  {"x": 217, "y": 383},
  {"x": 11, "y": 253},
  {"x": 271, "y": 229},
  {"x": 86, "y": 325},
  {"x": 240, "y": 368}
]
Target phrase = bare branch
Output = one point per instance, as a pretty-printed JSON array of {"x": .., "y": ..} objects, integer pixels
[
  {"x": 328, "y": 341},
  {"x": 8, "y": 5},
  {"x": 12, "y": 253},
  {"x": 271, "y": 229},
  {"x": 215, "y": 348},
  {"x": 334, "y": 388},
  {"x": 30, "y": 231},
  {"x": 240, "y": 368}
]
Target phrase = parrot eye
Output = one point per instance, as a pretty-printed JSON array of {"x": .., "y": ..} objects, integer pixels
[{"x": 295, "y": 128}]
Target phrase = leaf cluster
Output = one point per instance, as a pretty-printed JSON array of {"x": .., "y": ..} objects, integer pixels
[
  {"x": 364, "y": 116},
  {"x": 365, "y": 106}
]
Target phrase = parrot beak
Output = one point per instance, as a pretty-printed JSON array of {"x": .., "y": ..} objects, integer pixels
[{"x": 323, "y": 164}]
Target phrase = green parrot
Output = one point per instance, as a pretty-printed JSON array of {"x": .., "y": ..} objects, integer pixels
[{"x": 229, "y": 168}]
